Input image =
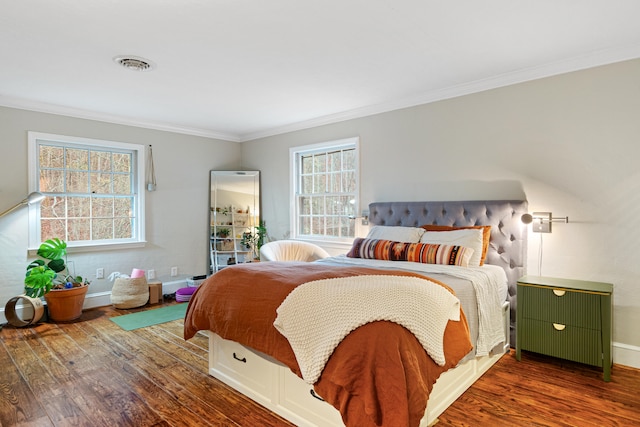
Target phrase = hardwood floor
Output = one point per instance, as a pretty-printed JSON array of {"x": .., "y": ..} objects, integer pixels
[{"x": 92, "y": 373}]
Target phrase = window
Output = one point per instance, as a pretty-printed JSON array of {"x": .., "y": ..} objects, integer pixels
[
  {"x": 325, "y": 190},
  {"x": 93, "y": 191}
]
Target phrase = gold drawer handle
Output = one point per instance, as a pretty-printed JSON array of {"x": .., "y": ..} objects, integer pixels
[
  {"x": 559, "y": 327},
  {"x": 559, "y": 292}
]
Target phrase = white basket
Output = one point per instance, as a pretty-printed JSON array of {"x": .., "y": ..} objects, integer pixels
[{"x": 194, "y": 283}]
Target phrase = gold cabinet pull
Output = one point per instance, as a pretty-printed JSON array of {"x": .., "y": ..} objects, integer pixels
[
  {"x": 559, "y": 326},
  {"x": 559, "y": 292}
]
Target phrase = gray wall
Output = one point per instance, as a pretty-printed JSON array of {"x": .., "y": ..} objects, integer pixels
[
  {"x": 176, "y": 213},
  {"x": 569, "y": 144}
]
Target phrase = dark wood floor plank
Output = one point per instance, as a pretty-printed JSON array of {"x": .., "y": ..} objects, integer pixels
[
  {"x": 175, "y": 346},
  {"x": 93, "y": 373},
  {"x": 154, "y": 396},
  {"x": 102, "y": 400},
  {"x": 18, "y": 405},
  {"x": 194, "y": 387},
  {"x": 45, "y": 376},
  {"x": 544, "y": 391}
]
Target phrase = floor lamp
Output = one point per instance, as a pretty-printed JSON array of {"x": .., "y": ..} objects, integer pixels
[
  {"x": 36, "y": 304},
  {"x": 34, "y": 197}
]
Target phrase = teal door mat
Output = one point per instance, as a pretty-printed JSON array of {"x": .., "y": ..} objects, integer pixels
[{"x": 132, "y": 321}]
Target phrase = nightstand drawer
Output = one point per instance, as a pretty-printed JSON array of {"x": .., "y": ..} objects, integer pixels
[
  {"x": 560, "y": 306},
  {"x": 564, "y": 341}
]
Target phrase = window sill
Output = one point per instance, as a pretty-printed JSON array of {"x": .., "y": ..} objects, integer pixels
[{"x": 72, "y": 249}]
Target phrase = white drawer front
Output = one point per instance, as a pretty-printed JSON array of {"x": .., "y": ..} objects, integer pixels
[
  {"x": 296, "y": 396},
  {"x": 252, "y": 373}
]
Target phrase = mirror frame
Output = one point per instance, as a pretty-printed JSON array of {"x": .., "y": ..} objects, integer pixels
[{"x": 253, "y": 189}]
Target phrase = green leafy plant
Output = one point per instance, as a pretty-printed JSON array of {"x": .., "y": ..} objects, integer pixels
[
  {"x": 254, "y": 240},
  {"x": 50, "y": 272},
  {"x": 223, "y": 232}
]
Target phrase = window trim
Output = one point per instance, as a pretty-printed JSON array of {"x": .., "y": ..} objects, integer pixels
[
  {"x": 138, "y": 240},
  {"x": 293, "y": 176}
]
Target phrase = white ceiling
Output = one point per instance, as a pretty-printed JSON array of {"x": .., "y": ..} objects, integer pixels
[{"x": 242, "y": 69}]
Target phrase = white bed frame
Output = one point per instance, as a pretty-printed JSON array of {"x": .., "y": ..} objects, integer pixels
[{"x": 274, "y": 386}]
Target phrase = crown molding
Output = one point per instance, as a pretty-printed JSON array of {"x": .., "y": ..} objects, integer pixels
[
  {"x": 42, "y": 107},
  {"x": 590, "y": 60}
]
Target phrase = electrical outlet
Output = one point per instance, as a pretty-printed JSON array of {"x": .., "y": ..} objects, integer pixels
[
  {"x": 151, "y": 274},
  {"x": 100, "y": 273},
  {"x": 174, "y": 271}
]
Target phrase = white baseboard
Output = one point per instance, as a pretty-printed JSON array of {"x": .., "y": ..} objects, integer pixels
[
  {"x": 101, "y": 299},
  {"x": 627, "y": 355}
]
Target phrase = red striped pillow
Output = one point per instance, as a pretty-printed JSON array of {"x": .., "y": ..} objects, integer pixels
[{"x": 425, "y": 253}]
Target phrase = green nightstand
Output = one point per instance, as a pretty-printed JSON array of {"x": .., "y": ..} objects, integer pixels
[{"x": 569, "y": 319}]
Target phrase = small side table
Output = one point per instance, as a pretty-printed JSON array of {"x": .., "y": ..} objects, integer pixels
[{"x": 565, "y": 318}]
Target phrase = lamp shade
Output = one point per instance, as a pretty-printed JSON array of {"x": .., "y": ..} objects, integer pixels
[{"x": 34, "y": 197}]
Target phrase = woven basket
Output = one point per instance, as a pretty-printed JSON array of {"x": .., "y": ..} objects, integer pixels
[{"x": 129, "y": 293}]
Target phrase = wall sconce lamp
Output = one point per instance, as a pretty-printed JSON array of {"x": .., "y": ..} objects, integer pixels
[
  {"x": 32, "y": 198},
  {"x": 362, "y": 227},
  {"x": 364, "y": 217},
  {"x": 542, "y": 221}
]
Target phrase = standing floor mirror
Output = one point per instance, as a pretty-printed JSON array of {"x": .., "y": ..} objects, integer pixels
[{"x": 234, "y": 218}]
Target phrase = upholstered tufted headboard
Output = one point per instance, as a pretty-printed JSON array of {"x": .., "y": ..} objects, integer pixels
[{"x": 508, "y": 247}]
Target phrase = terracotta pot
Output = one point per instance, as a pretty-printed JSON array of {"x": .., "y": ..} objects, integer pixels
[{"x": 65, "y": 304}]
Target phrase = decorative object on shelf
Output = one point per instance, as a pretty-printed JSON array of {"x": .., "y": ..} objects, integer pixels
[
  {"x": 32, "y": 198},
  {"x": 226, "y": 245},
  {"x": 223, "y": 232},
  {"x": 51, "y": 278}
]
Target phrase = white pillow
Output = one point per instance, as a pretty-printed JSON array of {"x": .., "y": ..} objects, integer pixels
[
  {"x": 396, "y": 234},
  {"x": 469, "y": 238}
]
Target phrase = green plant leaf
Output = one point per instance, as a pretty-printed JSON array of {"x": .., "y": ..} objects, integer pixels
[
  {"x": 57, "y": 265},
  {"x": 38, "y": 280},
  {"x": 53, "y": 249},
  {"x": 34, "y": 264}
]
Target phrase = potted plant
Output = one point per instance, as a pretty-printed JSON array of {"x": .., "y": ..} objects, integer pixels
[
  {"x": 224, "y": 232},
  {"x": 254, "y": 240},
  {"x": 50, "y": 277}
]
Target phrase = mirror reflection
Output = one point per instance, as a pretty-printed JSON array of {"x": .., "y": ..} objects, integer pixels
[{"x": 236, "y": 232}]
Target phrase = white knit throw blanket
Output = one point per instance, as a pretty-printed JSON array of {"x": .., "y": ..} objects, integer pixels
[
  {"x": 316, "y": 316},
  {"x": 487, "y": 282}
]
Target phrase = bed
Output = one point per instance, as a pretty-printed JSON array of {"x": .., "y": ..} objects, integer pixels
[{"x": 381, "y": 373}]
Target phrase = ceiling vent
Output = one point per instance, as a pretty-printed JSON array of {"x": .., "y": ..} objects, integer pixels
[{"x": 134, "y": 63}]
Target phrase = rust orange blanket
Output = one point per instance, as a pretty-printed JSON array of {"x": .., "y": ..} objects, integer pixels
[{"x": 378, "y": 375}]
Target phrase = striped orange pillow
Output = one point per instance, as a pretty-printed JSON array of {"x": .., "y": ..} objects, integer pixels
[
  {"x": 486, "y": 234},
  {"x": 425, "y": 253}
]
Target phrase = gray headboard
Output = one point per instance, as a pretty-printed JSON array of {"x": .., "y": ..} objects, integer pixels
[{"x": 508, "y": 247}]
